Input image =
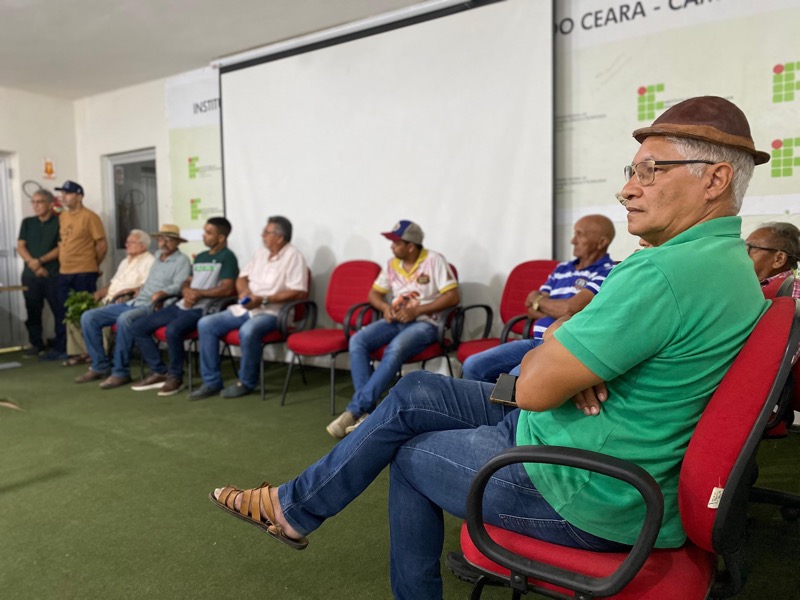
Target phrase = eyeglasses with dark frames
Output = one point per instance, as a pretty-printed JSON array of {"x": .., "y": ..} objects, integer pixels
[
  {"x": 751, "y": 247},
  {"x": 646, "y": 170}
]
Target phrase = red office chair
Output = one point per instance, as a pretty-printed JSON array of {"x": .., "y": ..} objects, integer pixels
[
  {"x": 345, "y": 302},
  {"x": 523, "y": 279},
  {"x": 293, "y": 317},
  {"x": 782, "y": 418},
  {"x": 445, "y": 343},
  {"x": 713, "y": 461}
]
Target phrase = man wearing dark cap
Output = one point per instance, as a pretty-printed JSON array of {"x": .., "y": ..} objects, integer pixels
[
  {"x": 81, "y": 249},
  {"x": 419, "y": 284},
  {"x": 642, "y": 360}
]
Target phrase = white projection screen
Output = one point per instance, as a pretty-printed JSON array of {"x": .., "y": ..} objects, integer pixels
[{"x": 447, "y": 122}]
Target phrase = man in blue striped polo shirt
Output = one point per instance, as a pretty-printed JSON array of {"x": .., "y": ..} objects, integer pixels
[{"x": 568, "y": 289}]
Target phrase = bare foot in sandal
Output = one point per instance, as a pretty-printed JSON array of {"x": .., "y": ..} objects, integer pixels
[{"x": 230, "y": 499}]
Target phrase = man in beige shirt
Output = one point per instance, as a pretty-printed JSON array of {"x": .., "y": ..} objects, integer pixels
[
  {"x": 81, "y": 249},
  {"x": 130, "y": 276}
]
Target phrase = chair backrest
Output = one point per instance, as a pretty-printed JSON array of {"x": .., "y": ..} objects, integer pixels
[
  {"x": 349, "y": 284},
  {"x": 523, "y": 279},
  {"x": 720, "y": 453},
  {"x": 780, "y": 286},
  {"x": 297, "y": 317}
]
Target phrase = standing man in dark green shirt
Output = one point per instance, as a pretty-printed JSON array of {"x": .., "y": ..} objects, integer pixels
[{"x": 37, "y": 245}]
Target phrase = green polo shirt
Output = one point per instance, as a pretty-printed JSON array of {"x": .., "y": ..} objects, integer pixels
[
  {"x": 662, "y": 332},
  {"x": 40, "y": 237}
]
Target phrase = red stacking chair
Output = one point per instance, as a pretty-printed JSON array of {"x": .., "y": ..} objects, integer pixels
[
  {"x": 522, "y": 280},
  {"x": 445, "y": 341},
  {"x": 293, "y": 317},
  {"x": 713, "y": 461},
  {"x": 345, "y": 303}
]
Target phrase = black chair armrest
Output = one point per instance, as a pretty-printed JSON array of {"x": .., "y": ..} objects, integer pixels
[
  {"x": 358, "y": 312},
  {"x": 522, "y": 568},
  {"x": 123, "y": 296},
  {"x": 527, "y": 330},
  {"x": 447, "y": 319},
  {"x": 458, "y": 324},
  {"x": 288, "y": 322},
  {"x": 165, "y": 301},
  {"x": 217, "y": 305}
]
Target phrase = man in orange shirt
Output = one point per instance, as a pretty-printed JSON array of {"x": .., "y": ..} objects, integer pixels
[{"x": 81, "y": 249}]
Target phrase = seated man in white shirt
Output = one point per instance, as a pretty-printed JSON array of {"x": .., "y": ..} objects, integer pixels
[
  {"x": 130, "y": 276},
  {"x": 276, "y": 274}
]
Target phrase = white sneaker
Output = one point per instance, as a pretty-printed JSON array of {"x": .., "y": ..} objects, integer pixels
[
  {"x": 338, "y": 427},
  {"x": 352, "y": 427}
]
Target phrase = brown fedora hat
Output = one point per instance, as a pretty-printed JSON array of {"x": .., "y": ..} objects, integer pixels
[
  {"x": 707, "y": 118},
  {"x": 170, "y": 231}
]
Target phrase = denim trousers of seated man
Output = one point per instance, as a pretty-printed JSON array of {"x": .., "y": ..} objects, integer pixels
[
  {"x": 92, "y": 324},
  {"x": 490, "y": 364},
  {"x": 435, "y": 432},
  {"x": 179, "y": 323},
  {"x": 212, "y": 328},
  {"x": 404, "y": 339}
]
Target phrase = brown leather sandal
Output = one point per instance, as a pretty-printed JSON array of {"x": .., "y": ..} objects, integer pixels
[
  {"x": 255, "y": 502},
  {"x": 78, "y": 359}
]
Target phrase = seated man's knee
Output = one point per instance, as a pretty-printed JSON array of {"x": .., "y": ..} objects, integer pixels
[
  {"x": 358, "y": 342},
  {"x": 204, "y": 326},
  {"x": 469, "y": 370},
  {"x": 127, "y": 319},
  {"x": 86, "y": 319},
  {"x": 415, "y": 383}
]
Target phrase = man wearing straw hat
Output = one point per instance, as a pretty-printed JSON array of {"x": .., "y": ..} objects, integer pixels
[{"x": 169, "y": 271}]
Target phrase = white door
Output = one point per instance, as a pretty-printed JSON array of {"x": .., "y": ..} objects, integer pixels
[
  {"x": 12, "y": 311},
  {"x": 131, "y": 188}
]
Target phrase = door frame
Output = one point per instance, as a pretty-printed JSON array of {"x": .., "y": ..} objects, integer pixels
[{"x": 109, "y": 162}]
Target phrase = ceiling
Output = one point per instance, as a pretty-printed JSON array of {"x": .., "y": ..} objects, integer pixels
[{"x": 85, "y": 47}]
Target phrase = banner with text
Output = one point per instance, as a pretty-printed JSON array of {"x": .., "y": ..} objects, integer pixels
[
  {"x": 620, "y": 65},
  {"x": 195, "y": 150}
]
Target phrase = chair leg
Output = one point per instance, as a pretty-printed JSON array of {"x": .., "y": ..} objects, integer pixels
[
  {"x": 302, "y": 372},
  {"x": 261, "y": 374},
  {"x": 191, "y": 364},
  {"x": 288, "y": 377},
  {"x": 333, "y": 386}
]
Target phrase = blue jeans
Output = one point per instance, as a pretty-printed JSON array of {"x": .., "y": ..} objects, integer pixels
[
  {"x": 489, "y": 364},
  {"x": 251, "y": 329},
  {"x": 92, "y": 324},
  {"x": 179, "y": 324},
  {"x": 404, "y": 339},
  {"x": 80, "y": 282},
  {"x": 435, "y": 432}
]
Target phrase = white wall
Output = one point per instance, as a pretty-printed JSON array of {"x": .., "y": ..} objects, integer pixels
[
  {"x": 124, "y": 120},
  {"x": 32, "y": 128}
]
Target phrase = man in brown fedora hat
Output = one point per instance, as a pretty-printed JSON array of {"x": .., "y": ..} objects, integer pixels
[
  {"x": 652, "y": 342},
  {"x": 166, "y": 276}
]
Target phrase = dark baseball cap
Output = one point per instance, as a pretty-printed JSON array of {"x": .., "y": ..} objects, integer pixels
[
  {"x": 71, "y": 188},
  {"x": 407, "y": 231}
]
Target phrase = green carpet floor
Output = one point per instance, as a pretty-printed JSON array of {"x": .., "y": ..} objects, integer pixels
[{"x": 103, "y": 494}]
